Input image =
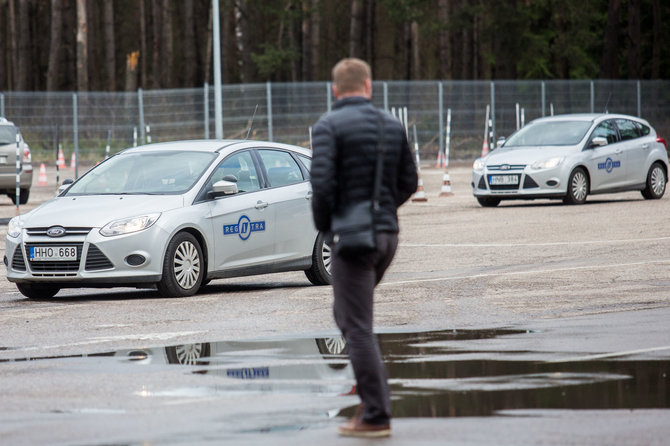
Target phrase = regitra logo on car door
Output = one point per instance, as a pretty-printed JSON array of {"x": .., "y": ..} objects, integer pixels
[{"x": 244, "y": 227}]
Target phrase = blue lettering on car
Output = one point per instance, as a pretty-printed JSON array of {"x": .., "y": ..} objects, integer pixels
[
  {"x": 244, "y": 227},
  {"x": 609, "y": 165},
  {"x": 249, "y": 373}
]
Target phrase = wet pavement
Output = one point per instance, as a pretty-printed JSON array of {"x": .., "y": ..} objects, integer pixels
[{"x": 305, "y": 384}]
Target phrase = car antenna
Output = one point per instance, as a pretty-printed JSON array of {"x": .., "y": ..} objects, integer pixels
[
  {"x": 608, "y": 102},
  {"x": 251, "y": 122}
]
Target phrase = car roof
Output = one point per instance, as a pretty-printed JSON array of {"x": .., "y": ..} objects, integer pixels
[
  {"x": 215, "y": 145},
  {"x": 589, "y": 117}
]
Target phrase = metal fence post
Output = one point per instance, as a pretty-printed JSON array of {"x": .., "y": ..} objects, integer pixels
[
  {"x": 329, "y": 102},
  {"x": 639, "y": 100},
  {"x": 440, "y": 115},
  {"x": 2, "y": 104},
  {"x": 593, "y": 97},
  {"x": 386, "y": 96},
  {"x": 75, "y": 128},
  {"x": 140, "y": 106},
  {"x": 206, "y": 107},
  {"x": 493, "y": 112},
  {"x": 268, "y": 96},
  {"x": 543, "y": 89}
]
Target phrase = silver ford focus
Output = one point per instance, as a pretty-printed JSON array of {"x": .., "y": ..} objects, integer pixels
[
  {"x": 173, "y": 216},
  {"x": 571, "y": 156}
]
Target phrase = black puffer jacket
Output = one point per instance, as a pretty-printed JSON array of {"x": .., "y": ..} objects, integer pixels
[{"x": 344, "y": 159}]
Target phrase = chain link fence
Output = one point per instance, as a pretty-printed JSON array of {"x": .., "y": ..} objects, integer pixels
[{"x": 285, "y": 112}]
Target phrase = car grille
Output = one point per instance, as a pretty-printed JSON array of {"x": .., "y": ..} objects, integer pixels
[
  {"x": 68, "y": 231},
  {"x": 506, "y": 167},
  {"x": 18, "y": 264},
  {"x": 96, "y": 260},
  {"x": 55, "y": 266},
  {"x": 503, "y": 186}
]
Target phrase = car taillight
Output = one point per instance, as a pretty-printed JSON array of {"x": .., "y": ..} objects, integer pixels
[
  {"x": 27, "y": 158},
  {"x": 661, "y": 140}
]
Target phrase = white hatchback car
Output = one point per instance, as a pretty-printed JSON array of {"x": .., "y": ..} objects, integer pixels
[
  {"x": 174, "y": 216},
  {"x": 572, "y": 156}
]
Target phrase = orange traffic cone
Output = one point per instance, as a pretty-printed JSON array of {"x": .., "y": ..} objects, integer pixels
[
  {"x": 485, "y": 148},
  {"x": 440, "y": 160},
  {"x": 42, "y": 180},
  {"x": 446, "y": 185},
  {"x": 61, "y": 159},
  {"x": 73, "y": 161}
]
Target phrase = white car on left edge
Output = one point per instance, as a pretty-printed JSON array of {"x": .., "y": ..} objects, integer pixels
[{"x": 173, "y": 216}]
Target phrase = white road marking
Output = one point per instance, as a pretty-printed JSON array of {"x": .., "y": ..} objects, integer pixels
[
  {"x": 520, "y": 273},
  {"x": 506, "y": 245},
  {"x": 610, "y": 355}
]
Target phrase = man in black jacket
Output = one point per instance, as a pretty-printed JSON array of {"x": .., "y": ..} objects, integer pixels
[{"x": 343, "y": 170}]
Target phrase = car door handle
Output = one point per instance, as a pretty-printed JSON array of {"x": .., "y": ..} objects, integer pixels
[
  {"x": 308, "y": 196},
  {"x": 645, "y": 146},
  {"x": 617, "y": 151},
  {"x": 261, "y": 204}
]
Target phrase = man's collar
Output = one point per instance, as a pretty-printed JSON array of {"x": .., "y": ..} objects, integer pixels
[{"x": 350, "y": 100}]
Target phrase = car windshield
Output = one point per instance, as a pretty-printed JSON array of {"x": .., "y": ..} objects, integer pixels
[
  {"x": 156, "y": 173},
  {"x": 549, "y": 133},
  {"x": 7, "y": 134}
]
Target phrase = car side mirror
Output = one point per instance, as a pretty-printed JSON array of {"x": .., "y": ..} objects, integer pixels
[
  {"x": 65, "y": 185},
  {"x": 598, "y": 141},
  {"x": 223, "y": 187},
  {"x": 500, "y": 142}
]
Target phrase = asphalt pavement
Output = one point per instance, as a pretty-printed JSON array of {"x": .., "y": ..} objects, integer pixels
[{"x": 533, "y": 323}]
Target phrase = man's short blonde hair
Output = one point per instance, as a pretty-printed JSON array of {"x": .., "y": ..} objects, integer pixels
[{"x": 349, "y": 75}]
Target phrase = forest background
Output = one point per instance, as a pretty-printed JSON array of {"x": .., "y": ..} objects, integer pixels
[{"x": 122, "y": 45}]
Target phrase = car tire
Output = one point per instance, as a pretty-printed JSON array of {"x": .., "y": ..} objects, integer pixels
[
  {"x": 488, "y": 202},
  {"x": 37, "y": 290},
  {"x": 333, "y": 347},
  {"x": 183, "y": 267},
  {"x": 23, "y": 199},
  {"x": 319, "y": 272},
  {"x": 656, "y": 182},
  {"x": 188, "y": 354},
  {"x": 578, "y": 187}
]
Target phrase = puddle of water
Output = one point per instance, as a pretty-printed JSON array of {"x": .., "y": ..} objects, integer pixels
[{"x": 430, "y": 376}]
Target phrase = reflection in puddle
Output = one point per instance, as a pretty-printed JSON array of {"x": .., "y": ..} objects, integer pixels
[{"x": 429, "y": 375}]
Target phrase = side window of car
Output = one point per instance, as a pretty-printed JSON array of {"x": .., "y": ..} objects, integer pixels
[
  {"x": 280, "y": 167},
  {"x": 606, "y": 130},
  {"x": 644, "y": 130},
  {"x": 306, "y": 161},
  {"x": 241, "y": 166},
  {"x": 627, "y": 129}
]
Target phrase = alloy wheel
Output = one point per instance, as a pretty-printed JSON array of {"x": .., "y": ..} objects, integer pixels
[
  {"x": 658, "y": 180},
  {"x": 186, "y": 265}
]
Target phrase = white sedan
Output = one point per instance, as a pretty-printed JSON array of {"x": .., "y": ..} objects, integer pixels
[
  {"x": 571, "y": 156},
  {"x": 173, "y": 216}
]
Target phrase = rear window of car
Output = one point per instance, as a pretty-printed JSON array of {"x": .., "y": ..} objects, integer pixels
[
  {"x": 549, "y": 133},
  {"x": 7, "y": 134}
]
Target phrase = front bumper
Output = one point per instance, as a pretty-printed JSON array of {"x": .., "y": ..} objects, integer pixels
[
  {"x": 518, "y": 182},
  {"x": 130, "y": 259}
]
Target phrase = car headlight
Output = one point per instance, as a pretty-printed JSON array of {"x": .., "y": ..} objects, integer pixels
[
  {"x": 14, "y": 227},
  {"x": 547, "y": 164},
  {"x": 128, "y": 225},
  {"x": 478, "y": 165}
]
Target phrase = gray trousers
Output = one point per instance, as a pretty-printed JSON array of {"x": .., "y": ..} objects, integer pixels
[{"x": 354, "y": 281}]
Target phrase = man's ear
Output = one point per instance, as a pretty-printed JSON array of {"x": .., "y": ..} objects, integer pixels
[
  {"x": 368, "y": 88},
  {"x": 336, "y": 93}
]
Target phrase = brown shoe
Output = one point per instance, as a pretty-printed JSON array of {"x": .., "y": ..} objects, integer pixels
[{"x": 356, "y": 427}]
